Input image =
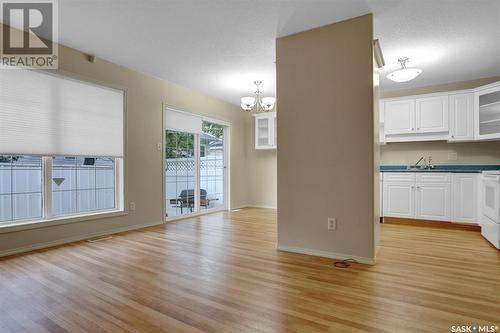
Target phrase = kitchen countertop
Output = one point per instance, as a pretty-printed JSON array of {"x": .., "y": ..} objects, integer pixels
[{"x": 441, "y": 168}]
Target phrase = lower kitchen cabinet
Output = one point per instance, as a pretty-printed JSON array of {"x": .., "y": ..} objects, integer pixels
[
  {"x": 433, "y": 201},
  {"x": 431, "y": 196},
  {"x": 465, "y": 195},
  {"x": 399, "y": 199}
]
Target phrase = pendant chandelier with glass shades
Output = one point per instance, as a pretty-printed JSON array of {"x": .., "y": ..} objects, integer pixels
[{"x": 257, "y": 103}]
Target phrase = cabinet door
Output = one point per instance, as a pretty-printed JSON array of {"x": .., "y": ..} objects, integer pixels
[
  {"x": 462, "y": 117},
  {"x": 433, "y": 201},
  {"x": 399, "y": 117},
  {"x": 464, "y": 197},
  {"x": 487, "y": 112},
  {"x": 431, "y": 114},
  {"x": 399, "y": 199},
  {"x": 263, "y": 139}
]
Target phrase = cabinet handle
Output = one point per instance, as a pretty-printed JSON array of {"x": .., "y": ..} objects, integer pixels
[
  {"x": 418, "y": 128},
  {"x": 413, "y": 128}
]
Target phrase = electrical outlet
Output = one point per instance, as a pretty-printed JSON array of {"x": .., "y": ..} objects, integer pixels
[
  {"x": 131, "y": 205},
  {"x": 158, "y": 146},
  {"x": 332, "y": 223},
  {"x": 452, "y": 156}
]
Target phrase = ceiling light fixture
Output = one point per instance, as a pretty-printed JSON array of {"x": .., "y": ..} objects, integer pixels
[
  {"x": 257, "y": 103},
  {"x": 404, "y": 74}
]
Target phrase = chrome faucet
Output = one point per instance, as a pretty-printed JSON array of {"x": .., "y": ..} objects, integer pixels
[{"x": 420, "y": 160}]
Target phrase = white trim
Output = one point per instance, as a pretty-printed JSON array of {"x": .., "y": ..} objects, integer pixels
[
  {"x": 326, "y": 254},
  {"x": 76, "y": 238},
  {"x": 37, "y": 224},
  {"x": 487, "y": 86},
  {"x": 255, "y": 206}
]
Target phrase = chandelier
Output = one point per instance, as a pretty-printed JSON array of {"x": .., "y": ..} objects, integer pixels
[{"x": 257, "y": 103}]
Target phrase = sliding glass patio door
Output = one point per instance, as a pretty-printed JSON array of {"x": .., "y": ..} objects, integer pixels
[
  {"x": 180, "y": 172},
  {"x": 212, "y": 166},
  {"x": 195, "y": 165}
]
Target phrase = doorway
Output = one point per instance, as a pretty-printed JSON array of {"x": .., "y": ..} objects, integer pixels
[{"x": 195, "y": 164}]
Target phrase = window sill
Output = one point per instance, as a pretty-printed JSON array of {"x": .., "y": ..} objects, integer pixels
[{"x": 26, "y": 225}]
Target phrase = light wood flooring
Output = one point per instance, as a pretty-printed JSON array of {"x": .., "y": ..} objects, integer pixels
[{"x": 222, "y": 273}]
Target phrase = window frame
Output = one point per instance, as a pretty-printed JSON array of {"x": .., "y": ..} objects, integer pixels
[
  {"x": 49, "y": 219},
  {"x": 120, "y": 176}
]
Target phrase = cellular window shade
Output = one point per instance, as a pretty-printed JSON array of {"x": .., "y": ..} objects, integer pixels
[
  {"x": 44, "y": 114},
  {"x": 182, "y": 121}
]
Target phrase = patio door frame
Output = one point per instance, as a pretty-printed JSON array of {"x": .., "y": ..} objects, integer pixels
[{"x": 227, "y": 169}]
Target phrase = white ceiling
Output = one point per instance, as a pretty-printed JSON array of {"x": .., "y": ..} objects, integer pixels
[{"x": 220, "y": 46}]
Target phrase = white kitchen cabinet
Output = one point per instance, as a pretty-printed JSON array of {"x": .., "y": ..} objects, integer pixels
[
  {"x": 398, "y": 199},
  {"x": 433, "y": 201},
  {"x": 435, "y": 196},
  {"x": 265, "y": 130},
  {"x": 487, "y": 112},
  {"x": 465, "y": 194},
  {"x": 431, "y": 114},
  {"x": 461, "y": 117},
  {"x": 399, "y": 116}
]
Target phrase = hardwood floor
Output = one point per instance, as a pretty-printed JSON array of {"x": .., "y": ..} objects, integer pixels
[{"x": 222, "y": 273}]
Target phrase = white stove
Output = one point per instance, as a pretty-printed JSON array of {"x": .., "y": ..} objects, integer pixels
[{"x": 490, "y": 206}]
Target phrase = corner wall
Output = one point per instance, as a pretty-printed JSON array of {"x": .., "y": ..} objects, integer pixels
[{"x": 326, "y": 131}]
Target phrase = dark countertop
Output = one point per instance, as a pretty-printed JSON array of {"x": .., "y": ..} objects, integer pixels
[{"x": 441, "y": 168}]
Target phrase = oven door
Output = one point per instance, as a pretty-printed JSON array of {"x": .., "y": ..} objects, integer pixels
[{"x": 491, "y": 197}]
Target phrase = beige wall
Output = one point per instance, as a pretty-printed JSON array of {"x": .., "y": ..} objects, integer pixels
[
  {"x": 145, "y": 96},
  {"x": 262, "y": 176},
  {"x": 468, "y": 153},
  {"x": 326, "y": 140}
]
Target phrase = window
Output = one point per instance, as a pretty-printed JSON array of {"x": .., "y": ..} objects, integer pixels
[
  {"x": 82, "y": 184},
  {"x": 61, "y": 147},
  {"x": 20, "y": 188}
]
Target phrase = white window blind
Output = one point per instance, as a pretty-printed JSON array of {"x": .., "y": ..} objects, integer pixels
[
  {"x": 182, "y": 121},
  {"x": 44, "y": 114}
]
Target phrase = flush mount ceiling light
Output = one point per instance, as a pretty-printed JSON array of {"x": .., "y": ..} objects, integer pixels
[
  {"x": 404, "y": 74},
  {"x": 257, "y": 103}
]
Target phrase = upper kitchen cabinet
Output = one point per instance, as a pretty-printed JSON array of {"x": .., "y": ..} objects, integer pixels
[
  {"x": 399, "y": 117},
  {"x": 487, "y": 111},
  {"x": 454, "y": 116},
  {"x": 421, "y": 118},
  {"x": 265, "y": 130},
  {"x": 462, "y": 117},
  {"x": 431, "y": 114}
]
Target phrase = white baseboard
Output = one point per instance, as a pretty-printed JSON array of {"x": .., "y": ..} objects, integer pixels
[
  {"x": 254, "y": 206},
  {"x": 326, "y": 254},
  {"x": 76, "y": 238}
]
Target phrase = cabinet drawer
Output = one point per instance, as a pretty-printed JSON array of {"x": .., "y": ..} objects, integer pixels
[
  {"x": 433, "y": 177},
  {"x": 399, "y": 177}
]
